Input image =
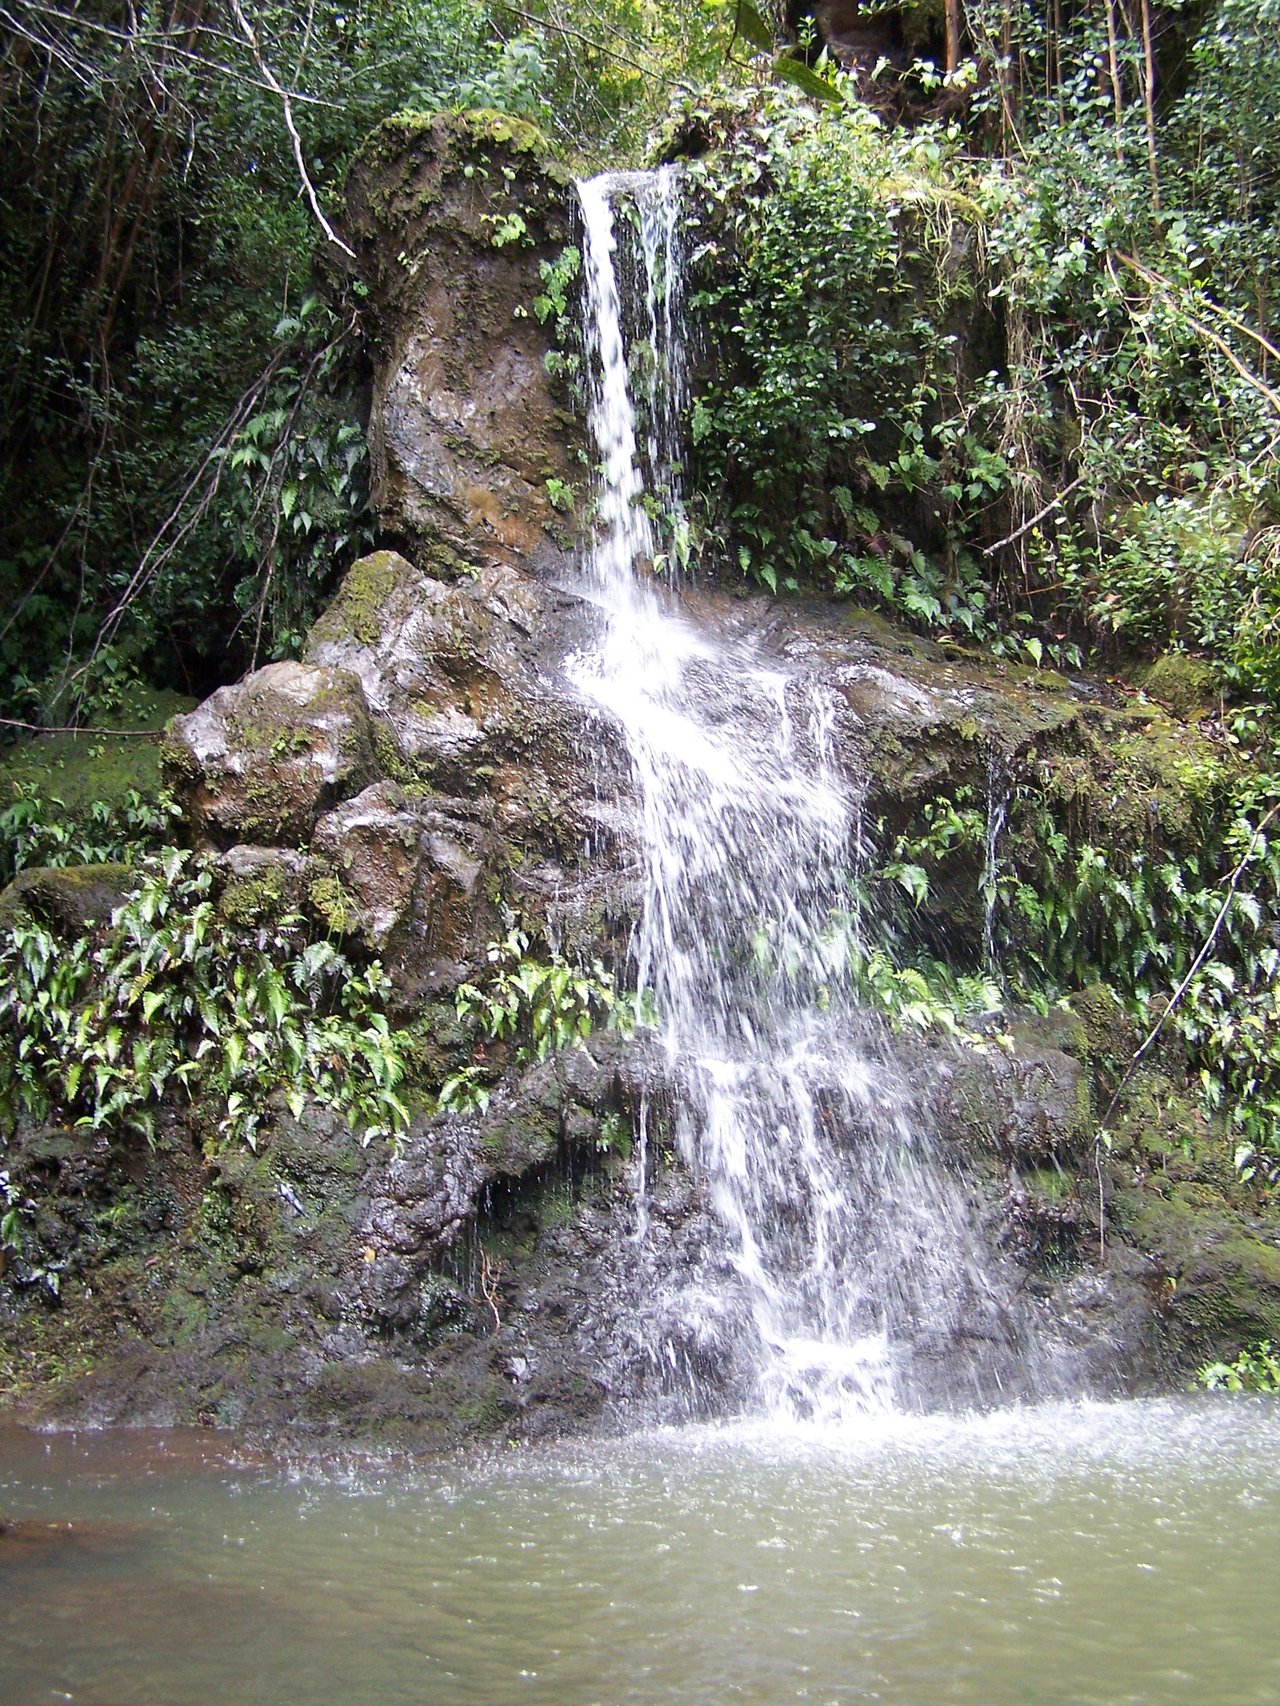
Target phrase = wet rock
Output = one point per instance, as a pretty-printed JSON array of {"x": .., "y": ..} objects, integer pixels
[
  {"x": 458, "y": 674},
  {"x": 268, "y": 755},
  {"x": 452, "y": 216},
  {"x": 1027, "y": 1103},
  {"x": 372, "y": 843}
]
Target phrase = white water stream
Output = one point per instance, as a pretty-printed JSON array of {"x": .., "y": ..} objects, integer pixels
[{"x": 855, "y": 1268}]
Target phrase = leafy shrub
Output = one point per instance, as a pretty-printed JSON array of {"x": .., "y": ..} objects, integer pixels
[
  {"x": 38, "y": 829},
  {"x": 1256, "y": 1369},
  {"x": 537, "y": 1007},
  {"x": 98, "y": 1031}
]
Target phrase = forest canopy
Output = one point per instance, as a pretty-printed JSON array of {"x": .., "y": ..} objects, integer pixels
[{"x": 184, "y": 460}]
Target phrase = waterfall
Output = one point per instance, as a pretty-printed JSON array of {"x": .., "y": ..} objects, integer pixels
[
  {"x": 850, "y": 1265},
  {"x": 999, "y": 798}
]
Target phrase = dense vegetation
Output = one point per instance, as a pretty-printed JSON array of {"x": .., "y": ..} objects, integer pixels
[
  {"x": 995, "y": 335},
  {"x": 181, "y": 439},
  {"x": 1063, "y": 435}
]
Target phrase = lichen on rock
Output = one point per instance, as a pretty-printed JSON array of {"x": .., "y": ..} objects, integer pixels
[{"x": 270, "y": 753}]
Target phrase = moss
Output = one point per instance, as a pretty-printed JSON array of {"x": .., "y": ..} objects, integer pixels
[
  {"x": 390, "y": 760},
  {"x": 527, "y": 1139},
  {"x": 1154, "y": 780},
  {"x": 179, "y": 766},
  {"x": 72, "y": 898},
  {"x": 466, "y": 132},
  {"x": 331, "y": 903},
  {"x": 1050, "y": 1182},
  {"x": 268, "y": 805},
  {"x": 81, "y": 771},
  {"x": 485, "y": 1413},
  {"x": 886, "y": 634},
  {"x": 1106, "y": 1029},
  {"x": 256, "y": 899},
  {"x": 356, "y": 612},
  {"x": 1184, "y": 684}
]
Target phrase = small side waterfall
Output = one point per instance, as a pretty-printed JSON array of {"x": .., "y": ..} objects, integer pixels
[{"x": 852, "y": 1266}]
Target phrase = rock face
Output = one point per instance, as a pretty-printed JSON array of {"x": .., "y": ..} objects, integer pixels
[
  {"x": 422, "y": 776},
  {"x": 417, "y": 772},
  {"x": 452, "y": 219},
  {"x": 273, "y": 751}
]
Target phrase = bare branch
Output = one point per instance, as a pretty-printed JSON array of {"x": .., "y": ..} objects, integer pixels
[
  {"x": 77, "y": 729},
  {"x": 1265, "y": 391},
  {"x": 1233, "y": 883},
  {"x": 1038, "y": 517},
  {"x": 286, "y": 104}
]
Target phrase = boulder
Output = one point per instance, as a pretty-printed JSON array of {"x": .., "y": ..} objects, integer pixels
[
  {"x": 259, "y": 761},
  {"x": 452, "y": 216},
  {"x": 67, "y": 899}
]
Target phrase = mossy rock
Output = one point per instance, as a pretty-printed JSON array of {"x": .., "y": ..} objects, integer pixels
[
  {"x": 69, "y": 899},
  {"x": 1222, "y": 1272},
  {"x": 1186, "y": 685},
  {"x": 270, "y": 754},
  {"x": 262, "y": 885},
  {"x": 1107, "y": 1030},
  {"x": 331, "y": 903},
  {"x": 434, "y": 175},
  {"x": 357, "y": 611}
]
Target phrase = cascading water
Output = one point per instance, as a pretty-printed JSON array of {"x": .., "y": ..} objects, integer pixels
[
  {"x": 999, "y": 796},
  {"x": 852, "y": 1267}
]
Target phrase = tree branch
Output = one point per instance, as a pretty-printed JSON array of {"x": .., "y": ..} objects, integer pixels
[
  {"x": 1233, "y": 883},
  {"x": 1012, "y": 538},
  {"x": 286, "y": 103}
]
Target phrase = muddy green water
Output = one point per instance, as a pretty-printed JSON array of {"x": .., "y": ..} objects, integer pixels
[{"x": 1127, "y": 1555}]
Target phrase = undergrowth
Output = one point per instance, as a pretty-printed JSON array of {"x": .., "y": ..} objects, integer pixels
[{"x": 99, "y": 1030}]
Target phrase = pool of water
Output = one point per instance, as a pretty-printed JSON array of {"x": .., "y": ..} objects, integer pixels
[{"x": 1123, "y": 1555}]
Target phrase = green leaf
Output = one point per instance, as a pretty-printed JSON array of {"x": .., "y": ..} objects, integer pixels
[
  {"x": 795, "y": 71},
  {"x": 748, "y": 24}
]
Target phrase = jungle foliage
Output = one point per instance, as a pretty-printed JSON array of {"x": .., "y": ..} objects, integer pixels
[
  {"x": 97, "y": 1030},
  {"x": 1006, "y": 370}
]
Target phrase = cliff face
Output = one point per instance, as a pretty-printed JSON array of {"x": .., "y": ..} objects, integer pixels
[{"x": 422, "y": 781}]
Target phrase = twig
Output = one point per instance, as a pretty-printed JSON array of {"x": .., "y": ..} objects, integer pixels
[
  {"x": 489, "y": 1285},
  {"x": 1207, "y": 332},
  {"x": 164, "y": 543},
  {"x": 577, "y": 35},
  {"x": 286, "y": 103},
  {"x": 79, "y": 729},
  {"x": 1038, "y": 517}
]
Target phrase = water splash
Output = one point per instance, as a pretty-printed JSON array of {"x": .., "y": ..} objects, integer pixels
[{"x": 850, "y": 1261}]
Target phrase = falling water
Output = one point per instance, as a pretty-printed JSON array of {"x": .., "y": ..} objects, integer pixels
[
  {"x": 852, "y": 1266},
  {"x": 999, "y": 796}
]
